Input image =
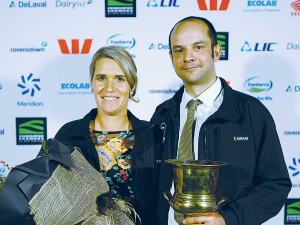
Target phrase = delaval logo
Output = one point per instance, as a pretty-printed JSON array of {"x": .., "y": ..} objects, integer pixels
[
  {"x": 265, "y": 47},
  {"x": 258, "y": 84},
  {"x": 72, "y": 4},
  {"x": 29, "y": 85},
  {"x": 121, "y": 40},
  {"x": 159, "y": 46},
  {"x": 213, "y": 5},
  {"x": 75, "y": 46},
  {"x": 27, "y": 4},
  {"x": 293, "y": 88},
  {"x": 296, "y": 7},
  {"x": 295, "y": 168},
  {"x": 162, "y": 3}
]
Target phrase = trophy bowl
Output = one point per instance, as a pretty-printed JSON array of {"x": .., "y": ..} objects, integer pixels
[{"x": 195, "y": 186}]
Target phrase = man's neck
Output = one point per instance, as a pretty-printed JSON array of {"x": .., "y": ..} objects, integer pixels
[{"x": 194, "y": 90}]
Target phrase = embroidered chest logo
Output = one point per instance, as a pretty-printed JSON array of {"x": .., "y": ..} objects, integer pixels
[{"x": 240, "y": 138}]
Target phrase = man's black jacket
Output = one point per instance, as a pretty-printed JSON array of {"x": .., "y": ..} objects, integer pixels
[{"x": 243, "y": 134}]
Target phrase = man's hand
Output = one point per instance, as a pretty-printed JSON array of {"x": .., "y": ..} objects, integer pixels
[{"x": 213, "y": 218}]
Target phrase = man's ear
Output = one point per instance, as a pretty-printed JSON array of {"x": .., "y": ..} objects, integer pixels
[
  {"x": 171, "y": 57},
  {"x": 217, "y": 52}
]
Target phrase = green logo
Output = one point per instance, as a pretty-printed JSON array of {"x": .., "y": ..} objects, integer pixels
[
  {"x": 112, "y": 3},
  {"x": 222, "y": 39},
  {"x": 32, "y": 127},
  {"x": 293, "y": 209}
]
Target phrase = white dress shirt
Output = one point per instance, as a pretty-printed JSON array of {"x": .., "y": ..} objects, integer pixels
[{"x": 211, "y": 100}]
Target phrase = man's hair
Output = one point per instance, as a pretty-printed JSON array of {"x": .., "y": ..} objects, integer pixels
[
  {"x": 211, "y": 31},
  {"x": 123, "y": 59}
]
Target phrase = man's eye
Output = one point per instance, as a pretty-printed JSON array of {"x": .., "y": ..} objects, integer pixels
[
  {"x": 101, "y": 78},
  {"x": 178, "y": 50},
  {"x": 199, "y": 47}
]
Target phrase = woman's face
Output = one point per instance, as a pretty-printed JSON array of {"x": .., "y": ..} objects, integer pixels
[{"x": 111, "y": 88}]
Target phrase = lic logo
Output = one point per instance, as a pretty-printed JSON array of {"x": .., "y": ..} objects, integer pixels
[{"x": 29, "y": 85}]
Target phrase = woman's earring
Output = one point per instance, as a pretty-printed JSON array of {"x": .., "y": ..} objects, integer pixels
[{"x": 92, "y": 90}]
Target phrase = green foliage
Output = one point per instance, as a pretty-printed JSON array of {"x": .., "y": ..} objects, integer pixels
[{"x": 2, "y": 181}]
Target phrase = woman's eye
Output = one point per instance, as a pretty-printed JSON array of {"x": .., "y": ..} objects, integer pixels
[{"x": 120, "y": 79}]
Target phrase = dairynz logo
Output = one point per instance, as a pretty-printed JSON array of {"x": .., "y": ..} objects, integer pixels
[
  {"x": 265, "y": 47},
  {"x": 162, "y": 3},
  {"x": 292, "y": 211},
  {"x": 75, "y": 46},
  {"x": 29, "y": 85},
  {"x": 31, "y": 131},
  {"x": 120, "y": 8},
  {"x": 262, "y": 6},
  {"x": 30, "y": 49},
  {"x": 28, "y": 4},
  {"x": 293, "y": 88},
  {"x": 296, "y": 7},
  {"x": 74, "y": 88},
  {"x": 159, "y": 46},
  {"x": 291, "y": 46},
  {"x": 258, "y": 84},
  {"x": 72, "y": 4},
  {"x": 213, "y": 5},
  {"x": 2, "y": 132},
  {"x": 295, "y": 168},
  {"x": 122, "y": 40},
  {"x": 223, "y": 39}
]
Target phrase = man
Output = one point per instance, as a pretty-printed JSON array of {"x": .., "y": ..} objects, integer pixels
[{"x": 226, "y": 126}]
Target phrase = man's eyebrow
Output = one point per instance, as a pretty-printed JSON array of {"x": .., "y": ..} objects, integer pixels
[{"x": 195, "y": 43}]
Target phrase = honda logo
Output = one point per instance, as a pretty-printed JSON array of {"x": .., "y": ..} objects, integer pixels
[
  {"x": 213, "y": 5},
  {"x": 75, "y": 46}
]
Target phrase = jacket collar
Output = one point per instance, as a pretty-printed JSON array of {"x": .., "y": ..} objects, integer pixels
[
  {"x": 228, "y": 109},
  {"x": 82, "y": 127}
]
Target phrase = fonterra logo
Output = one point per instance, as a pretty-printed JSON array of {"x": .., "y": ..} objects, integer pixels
[
  {"x": 258, "y": 84},
  {"x": 121, "y": 40}
]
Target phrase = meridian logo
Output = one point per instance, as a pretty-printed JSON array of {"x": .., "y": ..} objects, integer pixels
[
  {"x": 75, "y": 46},
  {"x": 120, "y": 8},
  {"x": 223, "y": 39},
  {"x": 121, "y": 40},
  {"x": 295, "y": 170},
  {"x": 258, "y": 84},
  {"x": 266, "y": 47},
  {"x": 292, "y": 211},
  {"x": 32, "y": 85},
  {"x": 213, "y": 5},
  {"x": 31, "y": 131},
  {"x": 163, "y": 3},
  {"x": 296, "y": 6},
  {"x": 21, "y": 4}
]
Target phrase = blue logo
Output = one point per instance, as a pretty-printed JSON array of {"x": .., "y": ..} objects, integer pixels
[
  {"x": 75, "y": 86},
  {"x": 44, "y": 44},
  {"x": 295, "y": 170},
  {"x": 2, "y": 170},
  {"x": 293, "y": 46},
  {"x": 293, "y": 88},
  {"x": 121, "y": 40},
  {"x": 162, "y": 3},
  {"x": 0, "y": 86},
  {"x": 159, "y": 46},
  {"x": 262, "y": 3},
  {"x": 72, "y": 4},
  {"x": 28, "y": 4},
  {"x": 30, "y": 49},
  {"x": 265, "y": 47},
  {"x": 2, "y": 132},
  {"x": 29, "y": 84},
  {"x": 258, "y": 84}
]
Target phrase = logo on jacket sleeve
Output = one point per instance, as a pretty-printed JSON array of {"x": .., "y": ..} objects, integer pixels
[
  {"x": 240, "y": 138},
  {"x": 292, "y": 211}
]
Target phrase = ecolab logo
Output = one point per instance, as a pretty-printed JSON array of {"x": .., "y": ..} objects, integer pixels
[
  {"x": 163, "y": 3},
  {"x": 28, "y": 4},
  {"x": 296, "y": 6},
  {"x": 262, "y": 3},
  {"x": 213, "y": 5},
  {"x": 75, "y": 46},
  {"x": 258, "y": 84},
  {"x": 75, "y": 86},
  {"x": 265, "y": 47},
  {"x": 121, "y": 40}
]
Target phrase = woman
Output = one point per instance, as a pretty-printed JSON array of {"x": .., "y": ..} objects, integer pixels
[{"x": 124, "y": 149}]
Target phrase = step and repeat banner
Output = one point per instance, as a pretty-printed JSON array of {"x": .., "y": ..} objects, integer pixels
[{"x": 46, "y": 48}]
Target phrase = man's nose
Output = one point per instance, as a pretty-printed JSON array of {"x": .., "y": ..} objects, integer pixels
[{"x": 188, "y": 56}]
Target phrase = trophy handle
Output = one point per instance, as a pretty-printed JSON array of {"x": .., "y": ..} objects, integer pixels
[
  {"x": 169, "y": 197},
  {"x": 215, "y": 208}
]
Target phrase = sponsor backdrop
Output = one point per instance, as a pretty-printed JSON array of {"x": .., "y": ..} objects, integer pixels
[{"x": 46, "y": 48}]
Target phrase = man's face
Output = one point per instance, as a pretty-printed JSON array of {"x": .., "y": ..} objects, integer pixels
[{"x": 192, "y": 53}]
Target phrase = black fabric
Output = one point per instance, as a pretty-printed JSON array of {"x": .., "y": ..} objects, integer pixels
[
  {"x": 146, "y": 155},
  {"x": 243, "y": 134}
]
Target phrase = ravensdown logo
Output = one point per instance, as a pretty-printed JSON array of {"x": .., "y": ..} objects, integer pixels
[
  {"x": 75, "y": 46},
  {"x": 121, "y": 40},
  {"x": 213, "y": 5},
  {"x": 29, "y": 84},
  {"x": 258, "y": 84}
]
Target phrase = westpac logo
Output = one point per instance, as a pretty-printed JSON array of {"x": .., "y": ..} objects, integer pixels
[
  {"x": 72, "y": 5},
  {"x": 295, "y": 88},
  {"x": 295, "y": 168},
  {"x": 121, "y": 40},
  {"x": 258, "y": 84},
  {"x": 223, "y": 39},
  {"x": 258, "y": 47},
  {"x": 27, "y": 4},
  {"x": 296, "y": 7},
  {"x": 30, "y": 49},
  {"x": 213, "y": 5},
  {"x": 29, "y": 85},
  {"x": 162, "y": 3},
  {"x": 75, "y": 46},
  {"x": 31, "y": 131}
]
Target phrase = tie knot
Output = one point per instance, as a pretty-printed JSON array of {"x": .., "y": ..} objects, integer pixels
[{"x": 192, "y": 104}]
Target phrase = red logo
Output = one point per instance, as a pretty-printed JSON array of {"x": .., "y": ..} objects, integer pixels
[
  {"x": 296, "y": 6},
  {"x": 75, "y": 46},
  {"x": 213, "y": 5}
]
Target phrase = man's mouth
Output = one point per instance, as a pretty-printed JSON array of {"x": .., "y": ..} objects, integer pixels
[{"x": 190, "y": 68}]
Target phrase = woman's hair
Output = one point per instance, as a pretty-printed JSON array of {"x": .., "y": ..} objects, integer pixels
[{"x": 123, "y": 59}]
